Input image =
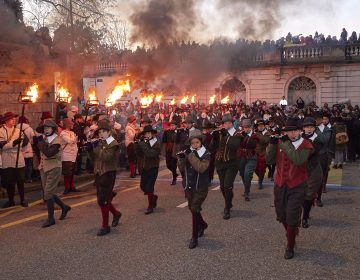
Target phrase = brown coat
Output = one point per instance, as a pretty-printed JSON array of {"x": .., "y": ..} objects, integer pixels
[
  {"x": 148, "y": 157},
  {"x": 105, "y": 156}
]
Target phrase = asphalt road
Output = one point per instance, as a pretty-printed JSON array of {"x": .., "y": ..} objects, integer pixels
[{"x": 248, "y": 246}]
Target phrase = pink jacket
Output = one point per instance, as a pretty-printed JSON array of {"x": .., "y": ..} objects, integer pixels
[{"x": 69, "y": 145}]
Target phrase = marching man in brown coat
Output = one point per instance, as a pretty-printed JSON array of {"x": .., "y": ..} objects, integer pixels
[
  {"x": 103, "y": 154},
  {"x": 50, "y": 170},
  {"x": 291, "y": 154},
  {"x": 148, "y": 153},
  {"x": 194, "y": 163}
]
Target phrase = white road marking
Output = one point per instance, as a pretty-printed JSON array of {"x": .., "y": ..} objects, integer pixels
[{"x": 183, "y": 205}]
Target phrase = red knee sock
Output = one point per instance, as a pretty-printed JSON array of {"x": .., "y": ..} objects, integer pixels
[
  {"x": 66, "y": 182},
  {"x": 132, "y": 168},
  {"x": 105, "y": 215},
  {"x": 150, "y": 200},
  {"x": 113, "y": 210},
  {"x": 71, "y": 182},
  {"x": 291, "y": 234}
]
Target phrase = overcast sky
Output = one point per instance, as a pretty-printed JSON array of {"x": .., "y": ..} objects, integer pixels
[{"x": 303, "y": 17}]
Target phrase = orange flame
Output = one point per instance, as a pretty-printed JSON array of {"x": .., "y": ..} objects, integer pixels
[
  {"x": 212, "y": 99},
  {"x": 119, "y": 90},
  {"x": 225, "y": 100},
  {"x": 63, "y": 94},
  {"x": 32, "y": 93},
  {"x": 159, "y": 97},
  {"x": 193, "y": 98},
  {"x": 172, "y": 102},
  {"x": 92, "y": 96},
  {"x": 184, "y": 99},
  {"x": 146, "y": 100}
]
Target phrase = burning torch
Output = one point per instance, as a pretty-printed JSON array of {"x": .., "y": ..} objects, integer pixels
[{"x": 29, "y": 97}]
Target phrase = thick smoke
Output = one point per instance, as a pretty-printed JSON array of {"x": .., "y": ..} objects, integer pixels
[
  {"x": 254, "y": 19},
  {"x": 159, "y": 21}
]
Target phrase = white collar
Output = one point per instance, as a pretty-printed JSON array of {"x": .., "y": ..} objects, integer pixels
[
  {"x": 329, "y": 125},
  {"x": 250, "y": 133},
  {"x": 201, "y": 151},
  {"x": 152, "y": 141},
  {"x": 232, "y": 131},
  {"x": 192, "y": 128},
  {"x": 51, "y": 138},
  {"x": 321, "y": 127},
  {"x": 109, "y": 140},
  {"x": 312, "y": 138},
  {"x": 264, "y": 132},
  {"x": 297, "y": 143}
]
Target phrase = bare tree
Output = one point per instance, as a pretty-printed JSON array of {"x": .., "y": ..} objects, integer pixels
[{"x": 116, "y": 34}]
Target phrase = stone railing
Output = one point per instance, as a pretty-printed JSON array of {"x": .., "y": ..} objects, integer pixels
[{"x": 308, "y": 55}]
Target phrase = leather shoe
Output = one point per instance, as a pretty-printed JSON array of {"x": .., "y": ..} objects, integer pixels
[
  {"x": 173, "y": 183},
  {"x": 48, "y": 223},
  {"x": 319, "y": 203},
  {"x": 116, "y": 220},
  {"x": 66, "y": 191},
  {"x": 305, "y": 223},
  {"x": 74, "y": 190},
  {"x": 193, "y": 243},
  {"x": 103, "y": 231},
  {"x": 226, "y": 215},
  {"x": 24, "y": 203},
  {"x": 9, "y": 204},
  {"x": 247, "y": 197},
  {"x": 149, "y": 211},
  {"x": 64, "y": 212},
  {"x": 289, "y": 254}
]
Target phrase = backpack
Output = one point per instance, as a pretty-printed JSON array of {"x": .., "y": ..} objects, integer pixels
[{"x": 341, "y": 138}]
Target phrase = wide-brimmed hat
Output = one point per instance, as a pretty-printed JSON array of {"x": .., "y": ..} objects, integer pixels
[
  {"x": 199, "y": 136},
  {"x": 309, "y": 121},
  {"x": 227, "y": 118},
  {"x": 50, "y": 123},
  {"x": 291, "y": 124},
  {"x": 318, "y": 115},
  {"x": 8, "y": 116},
  {"x": 103, "y": 124},
  {"x": 131, "y": 119},
  {"x": 46, "y": 115},
  {"x": 149, "y": 128}
]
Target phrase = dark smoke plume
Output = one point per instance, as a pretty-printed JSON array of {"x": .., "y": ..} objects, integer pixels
[
  {"x": 160, "y": 21},
  {"x": 255, "y": 19}
]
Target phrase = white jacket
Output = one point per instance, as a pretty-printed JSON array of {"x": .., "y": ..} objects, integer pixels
[
  {"x": 69, "y": 145},
  {"x": 29, "y": 132}
]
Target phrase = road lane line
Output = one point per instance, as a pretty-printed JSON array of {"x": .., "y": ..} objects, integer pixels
[
  {"x": 216, "y": 188},
  {"x": 183, "y": 205},
  {"x": 31, "y": 218}
]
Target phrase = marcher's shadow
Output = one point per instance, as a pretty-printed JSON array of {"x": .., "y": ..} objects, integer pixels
[
  {"x": 242, "y": 214},
  {"x": 156, "y": 211},
  {"x": 210, "y": 244},
  {"x": 321, "y": 258},
  {"x": 330, "y": 223},
  {"x": 338, "y": 201}
]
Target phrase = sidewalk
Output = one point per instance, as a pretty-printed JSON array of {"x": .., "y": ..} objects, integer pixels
[{"x": 35, "y": 186}]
